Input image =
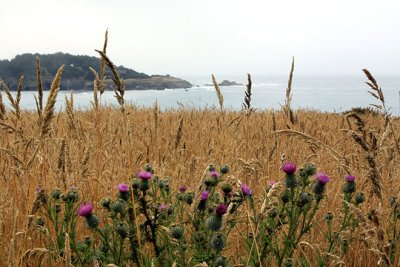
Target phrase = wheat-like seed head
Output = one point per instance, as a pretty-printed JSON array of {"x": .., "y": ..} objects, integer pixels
[
  {"x": 219, "y": 93},
  {"x": 40, "y": 86},
  {"x": 14, "y": 102},
  {"x": 119, "y": 83},
  {"x": 35, "y": 255},
  {"x": 156, "y": 120},
  {"x": 247, "y": 97},
  {"x": 3, "y": 111},
  {"x": 97, "y": 84},
  {"x": 102, "y": 77},
  {"x": 287, "y": 110},
  {"x": 179, "y": 133},
  {"x": 48, "y": 114}
]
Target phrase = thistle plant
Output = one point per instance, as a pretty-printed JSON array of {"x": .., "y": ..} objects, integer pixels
[
  {"x": 146, "y": 222},
  {"x": 214, "y": 216},
  {"x": 59, "y": 215},
  {"x": 285, "y": 218},
  {"x": 338, "y": 232}
]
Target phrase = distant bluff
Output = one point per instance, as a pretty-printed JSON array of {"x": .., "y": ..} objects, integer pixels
[{"x": 76, "y": 74}]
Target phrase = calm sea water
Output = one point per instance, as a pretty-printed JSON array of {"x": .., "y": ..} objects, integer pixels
[{"x": 323, "y": 93}]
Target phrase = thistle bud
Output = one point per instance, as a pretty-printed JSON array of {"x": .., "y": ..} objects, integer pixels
[
  {"x": 88, "y": 241},
  {"x": 349, "y": 187},
  {"x": 273, "y": 213},
  {"x": 105, "y": 203},
  {"x": 217, "y": 242},
  {"x": 290, "y": 181},
  {"x": 148, "y": 168},
  {"x": 220, "y": 262},
  {"x": 308, "y": 170},
  {"x": 189, "y": 197},
  {"x": 210, "y": 181},
  {"x": 329, "y": 216},
  {"x": 304, "y": 199},
  {"x": 117, "y": 206},
  {"x": 72, "y": 196},
  {"x": 92, "y": 221},
  {"x": 40, "y": 221},
  {"x": 214, "y": 223},
  {"x": 211, "y": 168},
  {"x": 360, "y": 198},
  {"x": 224, "y": 169},
  {"x": 56, "y": 193},
  {"x": 285, "y": 196},
  {"x": 177, "y": 232},
  {"x": 57, "y": 208},
  {"x": 135, "y": 183},
  {"x": 227, "y": 188},
  {"x": 122, "y": 230},
  {"x": 144, "y": 185}
]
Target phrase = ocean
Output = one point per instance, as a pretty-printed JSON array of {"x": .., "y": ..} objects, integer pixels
[{"x": 321, "y": 93}]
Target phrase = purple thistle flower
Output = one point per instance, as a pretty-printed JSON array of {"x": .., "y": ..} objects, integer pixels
[
  {"x": 73, "y": 187},
  {"x": 39, "y": 189},
  {"x": 204, "y": 195},
  {"x": 123, "y": 188},
  {"x": 271, "y": 183},
  {"x": 350, "y": 178},
  {"x": 221, "y": 209},
  {"x": 289, "y": 167},
  {"x": 246, "y": 190},
  {"x": 214, "y": 174},
  {"x": 182, "y": 188},
  {"x": 162, "y": 207},
  {"x": 322, "y": 178},
  {"x": 85, "y": 209},
  {"x": 145, "y": 175}
]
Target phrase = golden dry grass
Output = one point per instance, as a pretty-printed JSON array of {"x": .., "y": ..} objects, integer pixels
[{"x": 96, "y": 149}]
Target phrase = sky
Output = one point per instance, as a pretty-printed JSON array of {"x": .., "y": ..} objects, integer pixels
[{"x": 200, "y": 37}]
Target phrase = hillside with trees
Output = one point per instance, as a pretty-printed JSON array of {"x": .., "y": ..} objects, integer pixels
[{"x": 76, "y": 74}]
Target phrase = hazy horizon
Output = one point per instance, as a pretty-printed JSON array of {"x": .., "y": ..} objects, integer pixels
[{"x": 187, "y": 38}]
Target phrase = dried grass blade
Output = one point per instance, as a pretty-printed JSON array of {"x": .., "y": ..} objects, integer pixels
[
  {"x": 3, "y": 111},
  {"x": 219, "y": 93},
  {"x": 289, "y": 87},
  {"x": 119, "y": 83},
  {"x": 374, "y": 86},
  {"x": 97, "y": 84},
  {"x": 102, "y": 76},
  {"x": 247, "y": 96},
  {"x": 179, "y": 133},
  {"x": 10, "y": 97},
  {"x": 40, "y": 86},
  {"x": 371, "y": 78},
  {"x": 48, "y": 114},
  {"x": 288, "y": 101},
  {"x": 69, "y": 107},
  {"x": 18, "y": 98}
]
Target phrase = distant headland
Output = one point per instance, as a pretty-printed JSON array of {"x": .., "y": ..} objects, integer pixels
[
  {"x": 226, "y": 83},
  {"x": 76, "y": 74}
]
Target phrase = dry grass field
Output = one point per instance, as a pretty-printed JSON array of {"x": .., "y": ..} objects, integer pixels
[{"x": 99, "y": 148}]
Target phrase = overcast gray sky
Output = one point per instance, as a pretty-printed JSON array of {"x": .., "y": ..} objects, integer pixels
[{"x": 199, "y": 37}]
